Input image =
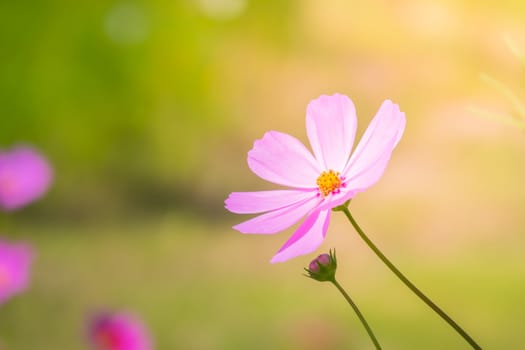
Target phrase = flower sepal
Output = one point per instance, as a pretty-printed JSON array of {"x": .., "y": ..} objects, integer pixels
[
  {"x": 343, "y": 206},
  {"x": 323, "y": 267}
]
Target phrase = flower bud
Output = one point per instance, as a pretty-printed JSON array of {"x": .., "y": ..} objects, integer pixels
[{"x": 323, "y": 267}]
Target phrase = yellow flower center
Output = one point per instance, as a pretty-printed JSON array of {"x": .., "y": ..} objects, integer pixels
[{"x": 329, "y": 182}]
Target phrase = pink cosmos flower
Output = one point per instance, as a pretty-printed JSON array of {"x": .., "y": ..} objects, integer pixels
[
  {"x": 15, "y": 263},
  {"x": 118, "y": 331},
  {"x": 25, "y": 176},
  {"x": 319, "y": 182}
]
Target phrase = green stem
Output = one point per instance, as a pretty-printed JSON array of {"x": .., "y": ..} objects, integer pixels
[
  {"x": 359, "y": 314},
  {"x": 409, "y": 284}
]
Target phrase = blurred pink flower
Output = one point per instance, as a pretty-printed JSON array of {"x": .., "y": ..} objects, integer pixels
[
  {"x": 319, "y": 182},
  {"x": 15, "y": 262},
  {"x": 25, "y": 176},
  {"x": 118, "y": 331}
]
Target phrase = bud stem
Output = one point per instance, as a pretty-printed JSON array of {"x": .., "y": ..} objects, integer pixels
[
  {"x": 359, "y": 314},
  {"x": 405, "y": 280}
]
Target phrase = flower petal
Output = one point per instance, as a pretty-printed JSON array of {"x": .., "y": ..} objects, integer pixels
[
  {"x": 118, "y": 331},
  {"x": 15, "y": 263},
  {"x": 371, "y": 155},
  {"x": 336, "y": 199},
  {"x": 284, "y": 160},
  {"x": 331, "y": 124},
  {"x": 25, "y": 175},
  {"x": 263, "y": 201},
  {"x": 279, "y": 219},
  {"x": 307, "y": 238}
]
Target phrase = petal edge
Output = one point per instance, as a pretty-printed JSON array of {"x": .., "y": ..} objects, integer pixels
[
  {"x": 277, "y": 220},
  {"x": 263, "y": 201},
  {"x": 282, "y": 159},
  {"x": 307, "y": 238},
  {"x": 331, "y": 124}
]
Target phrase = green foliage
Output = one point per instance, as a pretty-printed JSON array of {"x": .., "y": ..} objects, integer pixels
[{"x": 98, "y": 103}]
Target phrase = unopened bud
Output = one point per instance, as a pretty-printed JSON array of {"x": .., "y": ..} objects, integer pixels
[
  {"x": 323, "y": 267},
  {"x": 323, "y": 259}
]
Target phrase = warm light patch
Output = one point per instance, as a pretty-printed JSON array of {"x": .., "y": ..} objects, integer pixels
[{"x": 329, "y": 182}]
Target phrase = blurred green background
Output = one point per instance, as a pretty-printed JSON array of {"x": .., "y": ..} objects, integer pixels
[{"x": 147, "y": 109}]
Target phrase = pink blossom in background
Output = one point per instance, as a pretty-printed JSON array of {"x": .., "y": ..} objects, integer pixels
[
  {"x": 118, "y": 331},
  {"x": 25, "y": 176},
  {"x": 15, "y": 264},
  {"x": 319, "y": 182}
]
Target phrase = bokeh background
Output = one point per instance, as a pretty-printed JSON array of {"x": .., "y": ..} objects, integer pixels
[{"x": 147, "y": 109}]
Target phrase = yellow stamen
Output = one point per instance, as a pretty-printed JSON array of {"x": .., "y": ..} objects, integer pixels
[{"x": 328, "y": 182}]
